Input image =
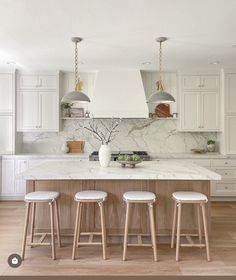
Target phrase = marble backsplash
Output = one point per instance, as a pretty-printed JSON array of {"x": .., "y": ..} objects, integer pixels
[{"x": 154, "y": 136}]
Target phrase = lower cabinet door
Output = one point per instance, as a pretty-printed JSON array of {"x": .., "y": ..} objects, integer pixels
[
  {"x": 8, "y": 177},
  {"x": 20, "y": 183},
  {"x": 231, "y": 134}
]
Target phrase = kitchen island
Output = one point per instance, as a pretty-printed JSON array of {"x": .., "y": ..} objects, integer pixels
[{"x": 161, "y": 177}]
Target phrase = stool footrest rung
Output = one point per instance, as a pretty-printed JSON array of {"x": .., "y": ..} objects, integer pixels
[
  {"x": 39, "y": 244},
  {"x": 139, "y": 245},
  {"x": 89, "y": 244},
  {"x": 192, "y": 245}
]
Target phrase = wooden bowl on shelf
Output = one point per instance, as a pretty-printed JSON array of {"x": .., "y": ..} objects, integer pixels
[{"x": 199, "y": 151}]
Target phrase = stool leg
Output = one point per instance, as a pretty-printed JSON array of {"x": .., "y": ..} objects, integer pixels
[
  {"x": 173, "y": 226},
  {"x": 103, "y": 229},
  {"x": 32, "y": 224},
  {"x": 57, "y": 224},
  {"x": 78, "y": 210},
  {"x": 126, "y": 230},
  {"x": 52, "y": 230},
  {"x": 179, "y": 206},
  {"x": 152, "y": 226},
  {"x": 199, "y": 224},
  {"x": 205, "y": 231},
  {"x": 25, "y": 230},
  {"x": 79, "y": 223}
]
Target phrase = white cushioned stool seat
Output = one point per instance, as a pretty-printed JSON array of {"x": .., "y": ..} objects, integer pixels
[
  {"x": 41, "y": 196},
  {"x": 91, "y": 195},
  {"x": 139, "y": 196},
  {"x": 189, "y": 196}
]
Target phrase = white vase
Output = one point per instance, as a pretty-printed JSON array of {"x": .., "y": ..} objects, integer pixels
[
  {"x": 211, "y": 147},
  {"x": 104, "y": 155},
  {"x": 64, "y": 148}
]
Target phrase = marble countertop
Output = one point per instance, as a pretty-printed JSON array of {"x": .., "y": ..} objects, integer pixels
[
  {"x": 153, "y": 156},
  {"x": 48, "y": 156},
  {"x": 149, "y": 170}
]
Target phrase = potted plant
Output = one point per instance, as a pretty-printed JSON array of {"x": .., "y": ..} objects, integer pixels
[
  {"x": 66, "y": 109},
  {"x": 211, "y": 145}
]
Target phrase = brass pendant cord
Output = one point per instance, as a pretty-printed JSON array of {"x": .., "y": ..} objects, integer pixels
[
  {"x": 159, "y": 82},
  {"x": 77, "y": 79}
]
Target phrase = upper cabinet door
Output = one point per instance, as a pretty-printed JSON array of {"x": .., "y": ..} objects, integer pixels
[
  {"x": 49, "y": 111},
  {"x": 209, "y": 82},
  {"x": 231, "y": 93},
  {"x": 190, "y": 114},
  {"x": 191, "y": 82},
  {"x": 47, "y": 82},
  {"x": 6, "y": 92},
  {"x": 210, "y": 110},
  {"x": 28, "y": 82},
  {"x": 29, "y": 110}
]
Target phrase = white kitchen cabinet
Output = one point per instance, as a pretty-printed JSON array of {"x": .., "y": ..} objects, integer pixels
[
  {"x": 48, "y": 110},
  {"x": 28, "y": 113},
  {"x": 210, "y": 110},
  {"x": 38, "y": 110},
  {"x": 32, "y": 81},
  {"x": 21, "y": 165},
  {"x": 8, "y": 177},
  {"x": 6, "y": 134},
  {"x": 190, "y": 110},
  {"x": 199, "y": 108},
  {"x": 6, "y": 92},
  {"x": 37, "y": 102},
  {"x": 200, "y": 82},
  {"x": 230, "y": 84},
  {"x": 231, "y": 134}
]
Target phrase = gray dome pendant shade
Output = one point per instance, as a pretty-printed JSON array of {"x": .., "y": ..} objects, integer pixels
[
  {"x": 160, "y": 96},
  {"x": 77, "y": 94},
  {"x": 74, "y": 96}
]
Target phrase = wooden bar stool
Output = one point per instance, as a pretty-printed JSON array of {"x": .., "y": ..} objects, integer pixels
[
  {"x": 140, "y": 197},
  {"x": 184, "y": 197},
  {"x": 88, "y": 197},
  {"x": 31, "y": 200}
]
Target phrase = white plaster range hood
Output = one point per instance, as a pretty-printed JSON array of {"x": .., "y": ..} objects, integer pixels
[{"x": 119, "y": 94}]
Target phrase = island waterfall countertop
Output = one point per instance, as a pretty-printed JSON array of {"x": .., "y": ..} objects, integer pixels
[{"x": 147, "y": 170}]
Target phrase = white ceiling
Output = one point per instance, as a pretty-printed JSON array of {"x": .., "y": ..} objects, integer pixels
[{"x": 118, "y": 33}]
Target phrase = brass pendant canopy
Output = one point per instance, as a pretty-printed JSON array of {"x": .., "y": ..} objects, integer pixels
[
  {"x": 160, "y": 96},
  {"x": 77, "y": 94}
]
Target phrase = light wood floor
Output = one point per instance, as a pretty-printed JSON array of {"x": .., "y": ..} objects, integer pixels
[{"x": 90, "y": 262}]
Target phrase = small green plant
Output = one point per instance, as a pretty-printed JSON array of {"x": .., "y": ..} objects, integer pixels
[
  {"x": 129, "y": 158},
  {"x": 66, "y": 105},
  {"x": 209, "y": 142}
]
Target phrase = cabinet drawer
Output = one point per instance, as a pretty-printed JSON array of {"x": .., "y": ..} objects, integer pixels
[
  {"x": 226, "y": 173},
  {"x": 224, "y": 189},
  {"x": 223, "y": 162}
]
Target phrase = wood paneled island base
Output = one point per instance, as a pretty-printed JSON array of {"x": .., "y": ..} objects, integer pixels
[{"x": 115, "y": 207}]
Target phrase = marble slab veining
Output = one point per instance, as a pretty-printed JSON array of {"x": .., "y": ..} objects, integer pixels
[
  {"x": 152, "y": 135},
  {"x": 152, "y": 170}
]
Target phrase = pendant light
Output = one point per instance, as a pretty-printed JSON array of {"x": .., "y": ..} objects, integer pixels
[
  {"x": 160, "y": 96},
  {"x": 77, "y": 94}
]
